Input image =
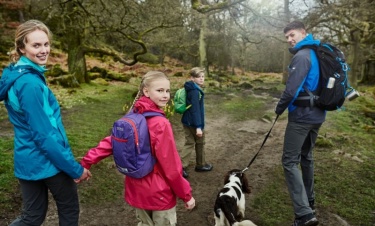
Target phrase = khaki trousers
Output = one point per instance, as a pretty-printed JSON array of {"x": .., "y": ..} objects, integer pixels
[
  {"x": 156, "y": 218},
  {"x": 193, "y": 142}
]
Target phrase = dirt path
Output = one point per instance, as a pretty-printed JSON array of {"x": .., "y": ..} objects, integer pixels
[{"x": 229, "y": 145}]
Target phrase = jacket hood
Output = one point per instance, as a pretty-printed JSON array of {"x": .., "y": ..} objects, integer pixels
[
  {"x": 190, "y": 85},
  {"x": 145, "y": 104},
  {"x": 308, "y": 40},
  {"x": 14, "y": 71},
  {"x": 9, "y": 76}
]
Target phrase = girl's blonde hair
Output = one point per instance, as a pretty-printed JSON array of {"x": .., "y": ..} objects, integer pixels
[
  {"x": 196, "y": 72},
  {"x": 147, "y": 79},
  {"x": 20, "y": 37}
]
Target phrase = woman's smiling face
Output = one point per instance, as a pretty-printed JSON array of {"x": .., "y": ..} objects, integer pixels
[{"x": 37, "y": 47}]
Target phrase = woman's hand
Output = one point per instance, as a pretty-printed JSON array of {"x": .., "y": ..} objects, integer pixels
[{"x": 86, "y": 175}]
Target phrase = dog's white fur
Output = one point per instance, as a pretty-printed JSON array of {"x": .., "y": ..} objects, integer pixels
[{"x": 230, "y": 202}]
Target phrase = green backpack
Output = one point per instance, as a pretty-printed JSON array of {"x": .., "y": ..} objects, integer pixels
[{"x": 180, "y": 101}]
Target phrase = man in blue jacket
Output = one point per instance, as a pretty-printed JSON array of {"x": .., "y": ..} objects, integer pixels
[{"x": 303, "y": 124}]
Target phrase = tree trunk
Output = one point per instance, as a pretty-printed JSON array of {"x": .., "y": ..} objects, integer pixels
[
  {"x": 77, "y": 63},
  {"x": 353, "y": 58},
  {"x": 368, "y": 72},
  {"x": 202, "y": 43},
  {"x": 286, "y": 58},
  {"x": 73, "y": 37}
]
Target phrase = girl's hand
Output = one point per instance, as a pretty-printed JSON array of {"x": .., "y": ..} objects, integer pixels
[
  {"x": 86, "y": 175},
  {"x": 190, "y": 204},
  {"x": 199, "y": 132}
]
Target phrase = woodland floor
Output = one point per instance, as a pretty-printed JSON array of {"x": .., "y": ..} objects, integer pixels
[{"x": 229, "y": 145}]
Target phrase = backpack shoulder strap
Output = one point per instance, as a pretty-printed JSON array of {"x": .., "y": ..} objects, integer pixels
[{"x": 151, "y": 114}]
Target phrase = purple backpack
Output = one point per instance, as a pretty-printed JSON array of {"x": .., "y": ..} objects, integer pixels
[{"x": 131, "y": 144}]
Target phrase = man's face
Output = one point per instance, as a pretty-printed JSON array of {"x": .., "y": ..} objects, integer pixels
[{"x": 295, "y": 36}]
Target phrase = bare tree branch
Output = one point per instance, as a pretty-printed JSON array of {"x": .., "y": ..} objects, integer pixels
[{"x": 203, "y": 8}]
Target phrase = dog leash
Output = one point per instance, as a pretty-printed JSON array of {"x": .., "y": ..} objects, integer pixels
[{"x": 264, "y": 141}]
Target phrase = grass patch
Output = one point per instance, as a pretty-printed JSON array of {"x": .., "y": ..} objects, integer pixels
[
  {"x": 272, "y": 204},
  {"x": 8, "y": 184},
  {"x": 239, "y": 104},
  {"x": 88, "y": 115},
  {"x": 344, "y": 178},
  {"x": 86, "y": 125}
]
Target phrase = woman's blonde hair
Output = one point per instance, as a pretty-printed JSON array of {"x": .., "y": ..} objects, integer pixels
[
  {"x": 147, "y": 79},
  {"x": 20, "y": 37}
]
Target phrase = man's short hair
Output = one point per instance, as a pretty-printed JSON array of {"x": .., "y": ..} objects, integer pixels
[{"x": 295, "y": 25}]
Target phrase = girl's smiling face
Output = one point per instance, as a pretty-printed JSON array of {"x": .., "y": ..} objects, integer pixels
[
  {"x": 37, "y": 47},
  {"x": 158, "y": 91}
]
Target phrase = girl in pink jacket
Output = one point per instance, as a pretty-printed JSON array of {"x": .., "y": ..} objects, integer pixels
[{"x": 155, "y": 195}]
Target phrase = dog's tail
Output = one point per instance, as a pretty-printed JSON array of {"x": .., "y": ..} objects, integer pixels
[{"x": 244, "y": 223}]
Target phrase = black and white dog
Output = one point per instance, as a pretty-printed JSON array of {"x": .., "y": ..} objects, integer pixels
[{"x": 229, "y": 207}]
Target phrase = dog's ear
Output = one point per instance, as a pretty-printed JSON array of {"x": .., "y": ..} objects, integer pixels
[{"x": 245, "y": 184}]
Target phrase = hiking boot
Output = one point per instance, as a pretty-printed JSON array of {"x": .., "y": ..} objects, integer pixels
[
  {"x": 312, "y": 206},
  {"x": 184, "y": 173},
  {"x": 204, "y": 168},
  {"x": 307, "y": 220}
]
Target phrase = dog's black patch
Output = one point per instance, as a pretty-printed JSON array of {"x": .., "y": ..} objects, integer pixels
[
  {"x": 238, "y": 192},
  {"x": 228, "y": 205}
]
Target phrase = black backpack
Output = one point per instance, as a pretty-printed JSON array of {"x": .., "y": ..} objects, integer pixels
[{"x": 333, "y": 79}]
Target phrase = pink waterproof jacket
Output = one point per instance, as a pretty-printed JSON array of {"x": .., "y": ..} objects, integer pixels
[{"x": 159, "y": 189}]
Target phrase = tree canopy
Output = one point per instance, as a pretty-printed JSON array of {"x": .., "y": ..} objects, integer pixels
[{"x": 220, "y": 35}]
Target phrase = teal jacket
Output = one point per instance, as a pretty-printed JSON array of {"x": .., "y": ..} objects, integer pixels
[{"x": 41, "y": 147}]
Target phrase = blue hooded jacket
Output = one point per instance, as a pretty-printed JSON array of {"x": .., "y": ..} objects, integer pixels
[
  {"x": 41, "y": 147},
  {"x": 194, "y": 116},
  {"x": 303, "y": 71}
]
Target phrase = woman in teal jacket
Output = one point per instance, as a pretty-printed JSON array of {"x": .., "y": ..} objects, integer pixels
[{"x": 43, "y": 159}]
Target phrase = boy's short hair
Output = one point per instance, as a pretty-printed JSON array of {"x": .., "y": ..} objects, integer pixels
[
  {"x": 196, "y": 72},
  {"x": 295, "y": 25}
]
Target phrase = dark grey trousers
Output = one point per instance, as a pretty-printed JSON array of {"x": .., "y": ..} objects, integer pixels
[
  {"x": 35, "y": 201},
  {"x": 299, "y": 142}
]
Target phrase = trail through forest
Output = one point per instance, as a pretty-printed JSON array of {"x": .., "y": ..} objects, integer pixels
[{"x": 230, "y": 144}]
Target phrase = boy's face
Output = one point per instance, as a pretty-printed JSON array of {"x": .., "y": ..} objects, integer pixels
[
  {"x": 199, "y": 80},
  {"x": 295, "y": 36}
]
